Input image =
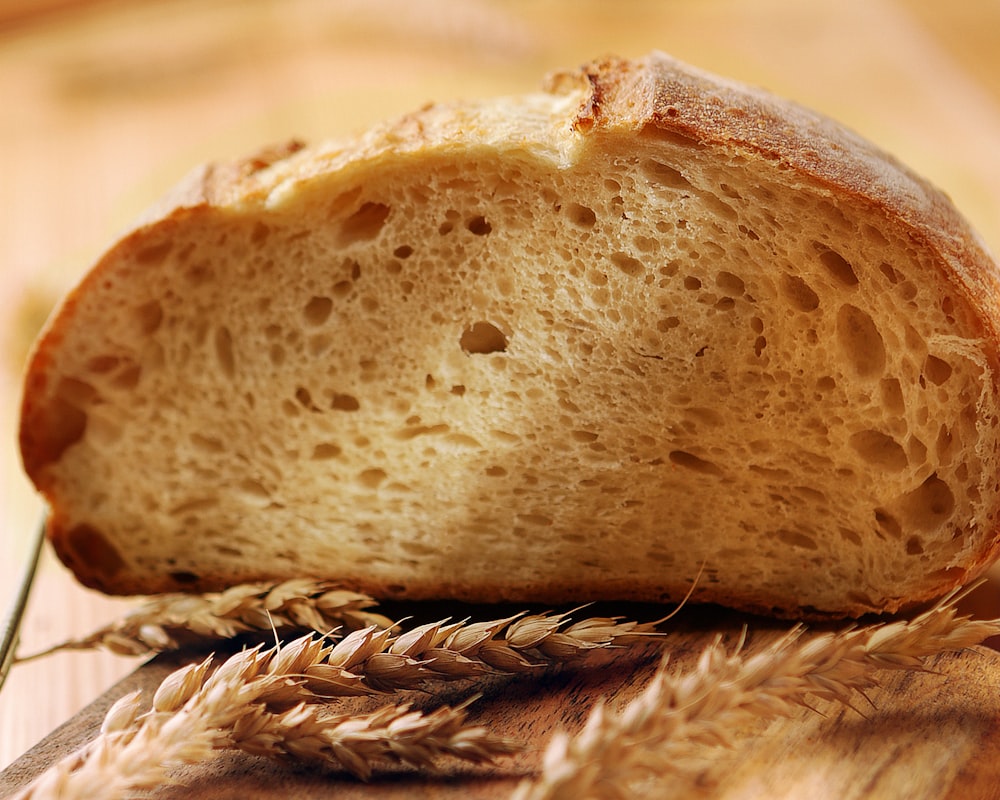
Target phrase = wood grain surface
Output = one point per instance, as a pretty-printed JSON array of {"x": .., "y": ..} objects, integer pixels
[{"x": 106, "y": 104}]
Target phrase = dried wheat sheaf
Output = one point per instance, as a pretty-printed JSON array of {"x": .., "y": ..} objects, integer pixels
[{"x": 280, "y": 702}]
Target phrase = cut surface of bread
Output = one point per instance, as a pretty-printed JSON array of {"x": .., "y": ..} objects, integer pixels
[{"x": 585, "y": 344}]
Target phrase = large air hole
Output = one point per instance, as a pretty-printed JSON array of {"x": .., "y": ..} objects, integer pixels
[
  {"x": 372, "y": 478},
  {"x": 479, "y": 226},
  {"x": 731, "y": 284},
  {"x": 879, "y": 450},
  {"x": 929, "y": 505},
  {"x": 799, "y": 293},
  {"x": 317, "y": 310},
  {"x": 860, "y": 341},
  {"x": 344, "y": 402},
  {"x": 581, "y": 215},
  {"x": 838, "y": 266},
  {"x": 483, "y": 337},
  {"x": 364, "y": 224},
  {"x": 937, "y": 370},
  {"x": 666, "y": 175},
  {"x": 627, "y": 264}
]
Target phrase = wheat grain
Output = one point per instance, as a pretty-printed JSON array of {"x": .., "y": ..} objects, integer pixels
[
  {"x": 397, "y": 734},
  {"x": 255, "y": 700},
  {"x": 377, "y": 660},
  {"x": 171, "y": 621},
  {"x": 678, "y": 715}
]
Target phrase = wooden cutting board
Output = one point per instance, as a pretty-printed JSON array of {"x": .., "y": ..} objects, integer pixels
[{"x": 924, "y": 736}]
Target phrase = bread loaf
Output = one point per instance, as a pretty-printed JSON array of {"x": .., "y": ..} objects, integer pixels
[{"x": 577, "y": 345}]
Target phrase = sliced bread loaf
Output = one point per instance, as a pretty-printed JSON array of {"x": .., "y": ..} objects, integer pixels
[{"x": 576, "y": 345}]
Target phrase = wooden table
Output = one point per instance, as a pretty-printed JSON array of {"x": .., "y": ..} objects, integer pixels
[{"x": 106, "y": 104}]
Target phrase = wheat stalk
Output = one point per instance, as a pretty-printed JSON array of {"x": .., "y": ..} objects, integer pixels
[
  {"x": 678, "y": 714},
  {"x": 173, "y": 620},
  {"x": 258, "y": 701}
]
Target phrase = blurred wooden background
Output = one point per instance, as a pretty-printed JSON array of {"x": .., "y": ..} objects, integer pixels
[{"x": 105, "y": 104}]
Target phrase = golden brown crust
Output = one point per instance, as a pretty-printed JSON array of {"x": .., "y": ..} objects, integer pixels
[{"x": 665, "y": 97}]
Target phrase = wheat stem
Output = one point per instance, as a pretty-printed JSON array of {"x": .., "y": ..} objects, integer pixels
[{"x": 679, "y": 713}]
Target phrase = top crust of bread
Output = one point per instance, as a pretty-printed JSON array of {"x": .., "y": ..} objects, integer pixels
[{"x": 924, "y": 407}]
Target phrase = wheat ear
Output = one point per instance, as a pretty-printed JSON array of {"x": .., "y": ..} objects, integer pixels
[
  {"x": 678, "y": 713},
  {"x": 170, "y": 621},
  {"x": 257, "y": 700},
  {"x": 378, "y": 660}
]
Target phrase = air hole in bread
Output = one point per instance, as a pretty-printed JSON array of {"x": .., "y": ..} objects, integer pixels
[
  {"x": 102, "y": 364},
  {"x": 944, "y": 446},
  {"x": 483, "y": 337},
  {"x": 404, "y": 251},
  {"x": 326, "y": 450},
  {"x": 319, "y": 344},
  {"x": 581, "y": 216},
  {"x": 184, "y": 577},
  {"x": 838, "y": 266},
  {"x": 304, "y": 396},
  {"x": 259, "y": 234},
  {"x": 479, "y": 226},
  {"x": 154, "y": 254},
  {"x": 317, "y": 310},
  {"x": 892, "y": 395},
  {"x": 849, "y": 536},
  {"x": 879, "y": 450},
  {"x": 733, "y": 285},
  {"x": 414, "y": 431},
  {"x": 937, "y": 370},
  {"x": 224, "y": 351},
  {"x": 665, "y": 175},
  {"x": 929, "y": 505},
  {"x": 253, "y": 493},
  {"x": 887, "y": 524},
  {"x": 917, "y": 450},
  {"x": 799, "y": 293},
  {"x": 372, "y": 478},
  {"x": 207, "y": 444},
  {"x": 914, "y": 546},
  {"x": 891, "y": 275},
  {"x": 364, "y": 224},
  {"x": 627, "y": 264},
  {"x": 149, "y": 316},
  {"x": 860, "y": 341},
  {"x": 692, "y": 462},
  {"x": 344, "y": 402}
]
